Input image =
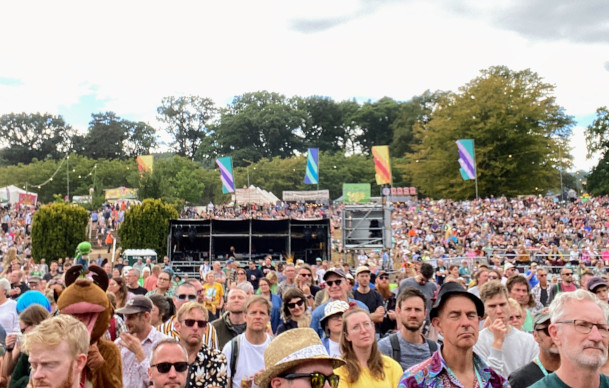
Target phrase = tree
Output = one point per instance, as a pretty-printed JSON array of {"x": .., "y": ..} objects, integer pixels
[
  {"x": 147, "y": 226},
  {"x": 375, "y": 121},
  {"x": 187, "y": 119},
  {"x": 597, "y": 133},
  {"x": 57, "y": 229},
  {"x": 28, "y": 136},
  {"x": 258, "y": 125},
  {"x": 519, "y": 132}
]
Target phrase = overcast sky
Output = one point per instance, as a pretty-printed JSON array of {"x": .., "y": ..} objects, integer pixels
[{"x": 77, "y": 58}]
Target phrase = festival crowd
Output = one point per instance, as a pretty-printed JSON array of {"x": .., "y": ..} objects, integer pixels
[{"x": 489, "y": 293}]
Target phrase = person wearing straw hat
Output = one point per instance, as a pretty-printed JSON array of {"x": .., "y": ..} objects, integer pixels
[{"x": 297, "y": 358}]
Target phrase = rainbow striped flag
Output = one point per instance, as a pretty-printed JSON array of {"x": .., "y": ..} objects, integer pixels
[
  {"x": 226, "y": 174},
  {"x": 312, "y": 172},
  {"x": 467, "y": 159},
  {"x": 382, "y": 165}
]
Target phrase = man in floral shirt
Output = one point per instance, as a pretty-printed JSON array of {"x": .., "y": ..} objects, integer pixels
[
  {"x": 207, "y": 366},
  {"x": 456, "y": 315}
]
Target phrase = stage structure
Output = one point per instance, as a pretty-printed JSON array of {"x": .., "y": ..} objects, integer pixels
[
  {"x": 366, "y": 227},
  {"x": 190, "y": 242}
]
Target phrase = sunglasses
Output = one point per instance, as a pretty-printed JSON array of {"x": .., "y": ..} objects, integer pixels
[
  {"x": 493, "y": 278},
  {"x": 293, "y": 305},
  {"x": 184, "y": 297},
  {"x": 165, "y": 367},
  {"x": 383, "y": 277},
  {"x": 191, "y": 323},
  {"x": 305, "y": 275},
  {"x": 318, "y": 380},
  {"x": 240, "y": 273},
  {"x": 544, "y": 330},
  {"x": 330, "y": 283}
]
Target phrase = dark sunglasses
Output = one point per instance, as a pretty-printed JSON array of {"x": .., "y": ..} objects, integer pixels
[
  {"x": 543, "y": 329},
  {"x": 189, "y": 297},
  {"x": 330, "y": 283},
  {"x": 383, "y": 277},
  {"x": 318, "y": 380},
  {"x": 240, "y": 273},
  {"x": 165, "y": 367},
  {"x": 191, "y": 323},
  {"x": 292, "y": 305},
  {"x": 305, "y": 275}
]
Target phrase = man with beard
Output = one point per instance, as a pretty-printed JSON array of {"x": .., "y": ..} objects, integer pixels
[
  {"x": 566, "y": 283},
  {"x": 389, "y": 320},
  {"x": 547, "y": 362},
  {"x": 57, "y": 349},
  {"x": 207, "y": 366},
  {"x": 580, "y": 331},
  {"x": 136, "y": 344},
  {"x": 408, "y": 346}
]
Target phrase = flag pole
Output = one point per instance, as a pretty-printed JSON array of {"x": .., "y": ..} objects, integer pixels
[{"x": 475, "y": 166}]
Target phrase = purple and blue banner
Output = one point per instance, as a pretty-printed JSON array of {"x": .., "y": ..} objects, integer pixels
[
  {"x": 467, "y": 159},
  {"x": 312, "y": 172},
  {"x": 226, "y": 174}
]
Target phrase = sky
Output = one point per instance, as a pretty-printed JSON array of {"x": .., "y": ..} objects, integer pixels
[{"x": 75, "y": 58}]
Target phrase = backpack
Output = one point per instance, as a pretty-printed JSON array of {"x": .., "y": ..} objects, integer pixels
[
  {"x": 395, "y": 346},
  {"x": 234, "y": 355}
]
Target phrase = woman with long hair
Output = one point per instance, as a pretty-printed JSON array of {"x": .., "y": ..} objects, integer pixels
[
  {"x": 365, "y": 365},
  {"x": 118, "y": 286},
  {"x": 264, "y": 289},
  {"x": 295, "y": 313}
]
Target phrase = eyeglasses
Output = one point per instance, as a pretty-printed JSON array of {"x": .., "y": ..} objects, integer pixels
[
  {"x": 493, "y": 277},
  {"x": 568, "y": 274},
  {"x": 542, "y": 276},
  {"x": 24, "y": 329},
  {"x": 318, "y": 380},
  {"x": 164, "y": 279},
  {"x": 544, "y": 330},
  {"x": 585, "y": 327},
  {"x": 365, "y": 326},
  {"x": 305, "y": 275},
  {"x": 165, "y": 367},
  {"x": 293, "y": 305},
  {"x": 184, "y": 297},
  {"x": 515, "y": 317},
  {"x": 383, "y": 277},
  {"x": 241, "y": 273},
  {"x": 337, "y": 282},
  {"x": 191, "y": 323}
]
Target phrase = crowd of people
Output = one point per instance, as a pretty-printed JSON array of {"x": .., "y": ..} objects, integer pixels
[{"x": 470, "y": 295}]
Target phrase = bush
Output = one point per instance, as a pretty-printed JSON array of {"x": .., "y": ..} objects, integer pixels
[
  {"x": 147, "y": 226},
  {"x": 57, "y": 229}
]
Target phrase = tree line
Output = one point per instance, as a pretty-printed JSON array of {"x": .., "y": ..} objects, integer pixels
[{"x": 521, "y": 140}]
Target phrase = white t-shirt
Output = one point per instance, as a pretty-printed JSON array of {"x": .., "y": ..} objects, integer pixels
[
  {"x": 9, "y": 319},
  {"x": 334, "y": 349},
  {"x": 249, "y": 362}
]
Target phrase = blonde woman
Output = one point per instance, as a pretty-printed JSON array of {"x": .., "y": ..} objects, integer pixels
[{"x": 365, "y": 366}]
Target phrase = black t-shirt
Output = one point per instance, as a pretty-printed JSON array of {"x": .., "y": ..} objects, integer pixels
[
  {"x": 543, "y": 296},
  {"x": 257, "y": 274},
  {"x": 526, "y": 376},
  {"x": 137, "y": 291},
  {"x": 372, "y": 299}
]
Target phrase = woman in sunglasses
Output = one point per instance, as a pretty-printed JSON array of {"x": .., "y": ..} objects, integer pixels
[
  {"x": 365, "y": 365},
  {"x": 295, "y": 313}
]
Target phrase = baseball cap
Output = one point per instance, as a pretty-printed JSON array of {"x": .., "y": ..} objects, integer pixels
[
  {"x": 230, "y": 261},
  {"x": 451, "y": 289},
  {"x": 595, "y": 282},
  {"x": 318, "y": 259},
  {"x": 335, "y": 271},
  {"x": 508, "y": 266},
  {"x": 540, "y": 318},
  {"x": 137, "y": 304}
]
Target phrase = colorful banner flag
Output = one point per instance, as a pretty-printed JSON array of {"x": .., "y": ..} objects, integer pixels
[
  {"x": 226, "y": 174},
  {"x": 145, "y": 163},
  {"x": 382, "y": 164},
  {"x": 356, "y": 192},
  {"x": 312, "y": 172},
  {"x": 467, "y": 158}
]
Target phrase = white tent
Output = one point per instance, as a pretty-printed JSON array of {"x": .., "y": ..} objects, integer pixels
[
  {"x": 255, "y": 195},
  {"x": 13, "y": 194}
]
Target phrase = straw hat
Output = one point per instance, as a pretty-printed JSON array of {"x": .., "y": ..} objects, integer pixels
[{"x": 289, "y": 349}]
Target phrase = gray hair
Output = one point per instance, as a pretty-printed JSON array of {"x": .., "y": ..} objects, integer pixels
[
  {"x": 246, "y": 287},
  {"x": 559, "y": 304},
  {"x": 6, "y": 285}
]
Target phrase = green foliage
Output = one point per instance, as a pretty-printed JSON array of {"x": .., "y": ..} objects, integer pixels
[
  {"x": 519, "y": 131},
  {"x": 147, "y": 226},
  {"x": 597, "y": 182},
  {"x": 57, "y": 229},
  {"x": 597, "y": 133},
  {"x": 26, "y": 137},
  {"x": 375, "y": 120}
]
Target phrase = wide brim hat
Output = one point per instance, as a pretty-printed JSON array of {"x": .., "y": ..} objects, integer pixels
[
  {"x": 452, "y": 289},
  {"x": 334, "y": 307},
  {"x": 290, "y": 349}
]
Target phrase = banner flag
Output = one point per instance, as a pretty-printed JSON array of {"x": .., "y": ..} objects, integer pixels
[
  {"x": 145, "y": 163},
  {"x": 226, "y": 174},
  {"x": 382, "y": 164},
  {"x": 312, "y": 172},
  {"x": 467, "y": 158}
]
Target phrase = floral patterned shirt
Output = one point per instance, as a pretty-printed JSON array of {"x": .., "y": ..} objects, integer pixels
[
  {"x": 208, "y": 369},
  {"x": 434, "y": 372}
]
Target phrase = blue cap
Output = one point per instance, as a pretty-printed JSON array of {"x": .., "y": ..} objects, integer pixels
[{"x": 32, "y": 297}]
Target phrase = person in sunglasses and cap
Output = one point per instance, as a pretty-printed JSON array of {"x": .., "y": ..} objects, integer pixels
[
  {"x": 297, "y": 358},
  {"x": 207, "y": 366},
  {"x": 456, "y": 315}
]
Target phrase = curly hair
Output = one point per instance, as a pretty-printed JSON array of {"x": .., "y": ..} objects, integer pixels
[{"x": 375, "y": 361}]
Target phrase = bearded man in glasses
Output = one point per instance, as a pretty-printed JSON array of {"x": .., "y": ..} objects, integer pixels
[
  {"x": 136, "y": 343},
  {"x": 580, "y": 331},
  {"x": 207, "y": 366}
]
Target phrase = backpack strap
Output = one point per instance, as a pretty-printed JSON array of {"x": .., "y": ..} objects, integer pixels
[
  {"x": 234, "y": 355},
  {"x": 433, "y": 346},
  {"x": 395, "y": 346}
]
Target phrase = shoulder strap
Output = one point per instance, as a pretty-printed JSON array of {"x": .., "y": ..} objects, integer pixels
[
  {"x": 234, "y": 355},
  {"x": 433, "y": 346},
  {"x": 395, "y": 346}
]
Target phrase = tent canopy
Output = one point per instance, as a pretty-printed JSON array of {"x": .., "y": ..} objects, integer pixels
[
  {"x": 13, "y": 194},
  {"x": 255, "y": 195}
]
